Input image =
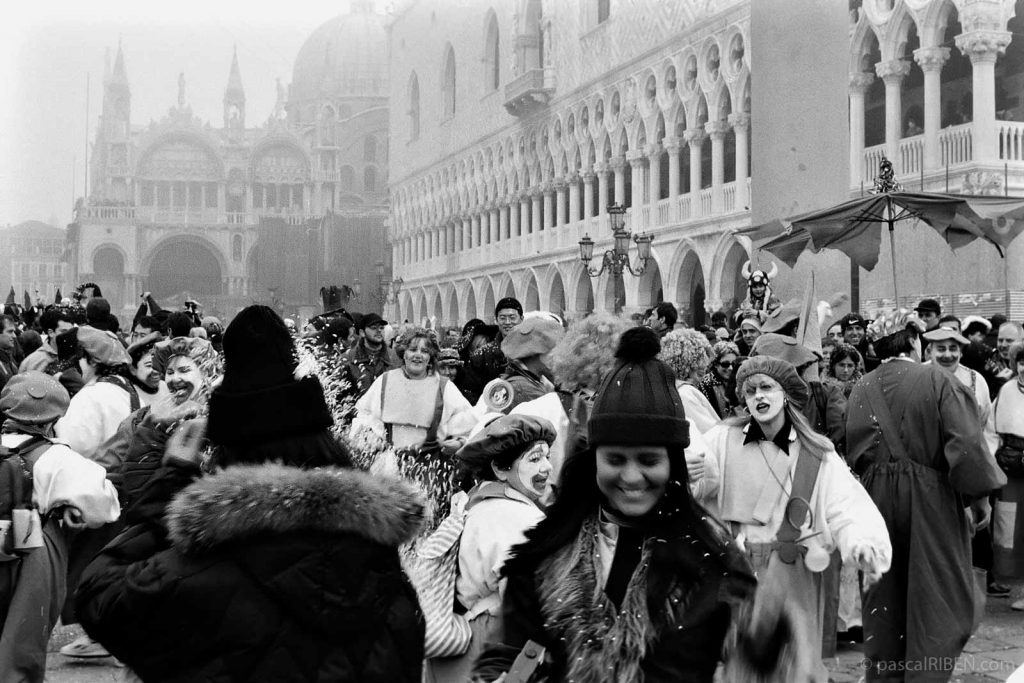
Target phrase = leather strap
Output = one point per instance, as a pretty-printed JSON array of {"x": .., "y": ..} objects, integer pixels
[
  {"x": 885, "y": 420},
  {"x": 798, "y": 506}
]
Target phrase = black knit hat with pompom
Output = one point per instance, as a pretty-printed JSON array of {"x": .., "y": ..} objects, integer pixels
[
  {"x": 638, "y": 403},
  {"x": 260, "y": 398}
]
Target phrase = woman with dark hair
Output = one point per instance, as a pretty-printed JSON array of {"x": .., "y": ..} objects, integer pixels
[
  {"x": 626, "y": 578},
  {"x": 845, "y": 368},
  {"x": 282, "y": 565},
  {"x": 790, "y": 501},
  {"x": 717, "y": 383}
]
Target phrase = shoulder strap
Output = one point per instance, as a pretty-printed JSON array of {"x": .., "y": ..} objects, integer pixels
[
  {"x": 133, "y": 395},
  {"x": 438, "y": 410},
  {"x": 798, "y": 506},
  {"x": 383, "y": 389},
  {"x": 884, "y": 418}
]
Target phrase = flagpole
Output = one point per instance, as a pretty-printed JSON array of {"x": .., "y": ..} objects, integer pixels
[{"x": 892, "y": 248}]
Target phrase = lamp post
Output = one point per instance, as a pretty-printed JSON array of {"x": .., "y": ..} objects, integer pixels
[{"x": 616, "y": 259}]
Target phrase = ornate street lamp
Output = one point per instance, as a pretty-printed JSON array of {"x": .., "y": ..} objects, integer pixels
[{"x": 616, "y": 259}]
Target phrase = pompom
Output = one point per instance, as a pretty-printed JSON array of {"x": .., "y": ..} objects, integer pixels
[{"x": 637, "y": 345}]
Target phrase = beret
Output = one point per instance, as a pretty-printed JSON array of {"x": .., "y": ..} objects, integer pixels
[
  {"x": 34, "y": 398},
  {"x": 508, "y": 434},
  {"x": 943, "y": 333},
  {"x": 532, "y": 337},
  {"x": 102, "y": 346},
  {"x": 781, "y": 371}
]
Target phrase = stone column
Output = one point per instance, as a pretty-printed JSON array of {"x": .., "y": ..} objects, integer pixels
[
  {"x": 859, "y": 83},
  {"x": 476, "y": 235},
  {"x": 549, "y": 206},
  {"x": 741, "y": 126},
  {"x": 983, "y": 47},
  {"x": 535, "y": 216},
  {"x": 672, "y": 146},
  {"x": 574, "y": 198},
  {"x": 654, "y": 173},
  {"x": 892, "y": 73},
  {"x": 467, "y": 233},
  {"x": 513, "y": 217},
  {"x": 618, "y": 166},
  {"x": 493, "y": 224},
  {"x": 525, "y": 206},
  {"x": 601, "y": 169},
  {"x": 636, "y": 161},
  {"x": 717, "y": 130},
  {"x": 503, "y": 211},
  {"x": 588, "y": 194},
  {"x": 695, "y": 139},
  {"x": 559, "y": 195},
  {"x": 305, "y": 199},
  {"x": 931, "y": 59}
]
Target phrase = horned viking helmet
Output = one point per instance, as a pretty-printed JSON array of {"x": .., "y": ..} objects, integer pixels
[{"x": 759, "y": 277}]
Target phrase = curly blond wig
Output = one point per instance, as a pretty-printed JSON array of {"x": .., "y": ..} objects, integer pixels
[
  {"x": 687, "y": 352},
  {"x": 586, "y": 353}
]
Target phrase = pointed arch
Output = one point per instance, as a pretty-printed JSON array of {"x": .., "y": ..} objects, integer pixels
[
  {"x": 492, "y": 53},
  {"x": 448, "y": 83}
]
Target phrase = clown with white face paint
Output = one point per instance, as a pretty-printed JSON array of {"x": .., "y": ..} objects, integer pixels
[
  {"x": 509, "y": 460},
  {"x": 790, "y": 501}
]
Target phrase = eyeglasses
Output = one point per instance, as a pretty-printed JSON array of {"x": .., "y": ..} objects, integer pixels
[{"x": 726, "y": 364}]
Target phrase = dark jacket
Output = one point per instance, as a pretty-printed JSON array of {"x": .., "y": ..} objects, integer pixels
[
  {"x": 262, "y": 573},
  {"x": 526, "y": 384},
  {"x": 362, "y": 367},
  {"x": 556, "y": 603}
]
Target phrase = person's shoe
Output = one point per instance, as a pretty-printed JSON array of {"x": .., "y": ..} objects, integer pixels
[
  {"x": 998, "y": 590},
  {"x": 84, "y": 647},
  {"x": 1018, "y": 605}
]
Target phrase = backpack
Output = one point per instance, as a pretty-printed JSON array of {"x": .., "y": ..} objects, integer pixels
[{"x": 21, "y": 527}]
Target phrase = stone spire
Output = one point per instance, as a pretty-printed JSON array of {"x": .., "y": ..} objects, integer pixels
[
  {"x": 234, "y": 96},
  {"x": 120, "y": 75}
]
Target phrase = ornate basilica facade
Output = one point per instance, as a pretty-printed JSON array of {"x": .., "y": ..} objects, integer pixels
[
  {"x": 176, "y": 207},
  {"x": 515, "y": 123}
]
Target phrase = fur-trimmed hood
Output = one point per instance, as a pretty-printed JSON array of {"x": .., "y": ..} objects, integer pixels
[{"x": 247, "y": 500}]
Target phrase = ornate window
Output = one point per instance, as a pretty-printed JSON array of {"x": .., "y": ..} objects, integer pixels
[
  {"x": 448, "y": 89},
  {"x": 370, "y": 179},
  {"x": 492, "y": 55},
  {"x": 414, "y": 107}
]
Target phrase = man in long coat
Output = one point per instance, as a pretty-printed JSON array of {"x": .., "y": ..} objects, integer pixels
[{"x": 915, "y": 438}]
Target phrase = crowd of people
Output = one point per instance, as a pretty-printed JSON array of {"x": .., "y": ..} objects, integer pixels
[{"x": 608, "y": 498}]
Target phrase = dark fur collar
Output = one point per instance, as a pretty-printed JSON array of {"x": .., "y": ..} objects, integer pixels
[{"x": 243, "y": 501}]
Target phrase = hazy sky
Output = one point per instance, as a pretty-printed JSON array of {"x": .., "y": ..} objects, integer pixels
[{"x": 46, "y": 52}]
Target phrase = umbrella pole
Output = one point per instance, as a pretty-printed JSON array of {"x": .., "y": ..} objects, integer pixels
[
  {"x": 892, "y": 249},
  {"x": 890, "y": 220}
]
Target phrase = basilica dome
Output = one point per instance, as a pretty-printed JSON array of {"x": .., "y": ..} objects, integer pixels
[{"x": 345, "y": 57}]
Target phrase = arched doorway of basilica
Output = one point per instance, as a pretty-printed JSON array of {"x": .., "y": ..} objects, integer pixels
[
  {"x": 690, "y": 294},
  {"x": 108, "y": 268},
  {"x": 182, "y": 268}
]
